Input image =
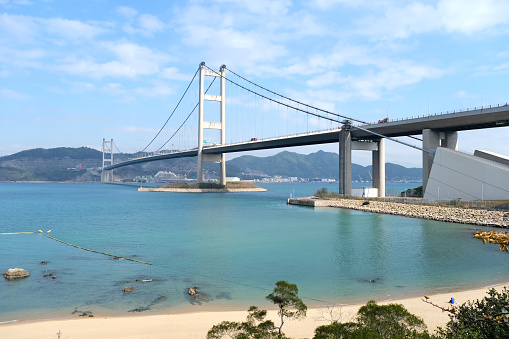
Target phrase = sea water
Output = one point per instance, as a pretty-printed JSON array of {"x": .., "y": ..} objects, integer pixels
[{"x": 234, "y": 247}]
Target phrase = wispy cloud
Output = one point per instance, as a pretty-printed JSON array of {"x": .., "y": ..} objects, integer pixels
[
  {"x": 11, "y": 94},
  {"x": 402, "y": 20}
]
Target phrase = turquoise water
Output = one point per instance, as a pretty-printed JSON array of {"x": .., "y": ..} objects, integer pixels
[{"x": 233, "y": 246}]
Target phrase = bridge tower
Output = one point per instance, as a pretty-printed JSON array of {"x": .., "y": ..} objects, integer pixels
[
  {"x": 221, "y": 125},
  {"x": 107, "y": 176}
]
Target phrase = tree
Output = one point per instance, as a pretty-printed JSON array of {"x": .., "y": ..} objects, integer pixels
[
  {"x": 285, "y": 295},
  {"x": 255, "y": 327},
  {"x": 486, "y": 318},
  {"x": 390, "y": 321},
  {"x": 376, "y": 321}
]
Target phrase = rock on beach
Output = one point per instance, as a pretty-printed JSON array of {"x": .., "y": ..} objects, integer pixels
[{"x": 16, "y": 273}]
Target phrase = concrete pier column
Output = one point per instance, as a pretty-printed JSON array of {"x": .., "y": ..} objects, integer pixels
[
  {"x": 449, "y": 140},
  {"x": 345, "y": 162},
  {"x": 431, "y": 139},
  {"x": 378, "y": 165}
]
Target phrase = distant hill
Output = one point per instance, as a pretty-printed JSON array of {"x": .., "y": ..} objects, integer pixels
[
  {"x": 315, "y": 165},
  {"x": 83, "y": 165}
]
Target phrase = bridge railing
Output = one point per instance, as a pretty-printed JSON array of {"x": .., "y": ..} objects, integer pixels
[{"x": 446, "y": 112}]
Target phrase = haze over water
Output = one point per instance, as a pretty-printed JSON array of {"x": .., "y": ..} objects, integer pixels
[{"x": 233, "y": 246}]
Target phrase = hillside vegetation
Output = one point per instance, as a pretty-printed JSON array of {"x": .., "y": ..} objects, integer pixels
[{"x": 83, "y": 165}]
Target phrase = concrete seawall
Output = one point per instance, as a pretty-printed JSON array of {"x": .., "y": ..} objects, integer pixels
[
  {"x": 200, "y": 190},
  {"x": 439, "y": 213}
]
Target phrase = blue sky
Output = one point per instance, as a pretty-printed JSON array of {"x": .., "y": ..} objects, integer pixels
[{"x": 75, "y": 72}]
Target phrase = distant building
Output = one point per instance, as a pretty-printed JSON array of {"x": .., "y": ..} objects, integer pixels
[{"x": 165, "y": 176}]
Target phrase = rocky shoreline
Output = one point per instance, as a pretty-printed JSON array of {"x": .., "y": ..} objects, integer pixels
[
  {"x": 478, "y": 217},
  {"x": 201, "y": 190}
]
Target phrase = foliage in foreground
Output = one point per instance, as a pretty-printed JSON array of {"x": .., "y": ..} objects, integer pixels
[
  {"x": 376, "y": 321},
  {"x": 486, "y": 318},
  {"x": 285, "y": 295},
  {"x": 500, "y": 238},
  {"x": 254, "y": 327}
]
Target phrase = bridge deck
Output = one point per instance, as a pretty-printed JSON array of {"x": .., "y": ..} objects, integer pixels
[{"x": 457, "y": 121}]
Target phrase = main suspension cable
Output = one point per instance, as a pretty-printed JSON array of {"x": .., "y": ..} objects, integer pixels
[
  {"x": 304, "y": 104},
  {"x": 182, "y": 97},
  {"x": 279, "y": 102},
  {"x": 186, "y": 118}
]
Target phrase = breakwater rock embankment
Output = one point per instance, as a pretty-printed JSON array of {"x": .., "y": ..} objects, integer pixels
[
  {"x": 201, "y": 190},
  {"x": 439, "y": 213}
]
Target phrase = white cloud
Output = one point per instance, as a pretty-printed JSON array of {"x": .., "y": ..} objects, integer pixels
[
  {"x": 11, "y": 3},
  {"x": 144, "y": 24},
  {"x": 326, "y": 4},
  {"x": 126, "y": 12},
  {"x": 132, "y": 60},
  {"x": 72, "y": 30},
  {"x": 470, "y": 16},
  {"x": 10, "y": 94},
  {"x": 150, "y": 23},
  {"x": 264, "y": 7},
  {"x": 453, "y": 16},
  {"x": 173, "y": 73},
  {"x": 142, "y": 60},
  {"x": 20, "y": 28}
]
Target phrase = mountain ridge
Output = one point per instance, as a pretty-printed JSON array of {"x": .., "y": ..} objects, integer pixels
[{"x": 83, "y": 165}]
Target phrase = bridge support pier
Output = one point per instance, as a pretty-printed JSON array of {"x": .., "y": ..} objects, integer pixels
[
  {"x": 221, "y": 125},
  {"x": 345, "y": 162},
  {"x": 346, "y": 145},
  {"x": 431, "y": 139},
  {"x": 378, "y": 165},
  {"x": 107, "y": 176}
]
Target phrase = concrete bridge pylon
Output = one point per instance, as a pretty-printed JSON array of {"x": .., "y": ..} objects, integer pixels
[
  {"x": 107, "y": 176},
  {"x": 431, "y": 140},
  {"x": 221, "y": 125}
]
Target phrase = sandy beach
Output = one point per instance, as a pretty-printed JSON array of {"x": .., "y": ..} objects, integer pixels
[{"x": 196, "y": 325}]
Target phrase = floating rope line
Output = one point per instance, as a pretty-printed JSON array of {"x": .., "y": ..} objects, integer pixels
[
  {"x": 86, "y": 249},
  {"x": 173, "y": 268},
  {"x": 19, "y": 233}
]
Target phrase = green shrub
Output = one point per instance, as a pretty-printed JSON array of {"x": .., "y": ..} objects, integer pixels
[{"x": 486, "y": 318}]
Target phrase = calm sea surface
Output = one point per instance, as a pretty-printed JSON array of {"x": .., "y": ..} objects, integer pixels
[{"x": 233, "y": 246}]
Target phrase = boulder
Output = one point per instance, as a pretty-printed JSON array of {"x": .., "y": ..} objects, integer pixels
[
  {"x": 192, "y": 291},
  {"x": 16, "y": 273},
  {"x": 128, "y": 289}
]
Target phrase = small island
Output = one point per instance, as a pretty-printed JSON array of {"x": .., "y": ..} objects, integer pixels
[{"x": 207, "y": 187}]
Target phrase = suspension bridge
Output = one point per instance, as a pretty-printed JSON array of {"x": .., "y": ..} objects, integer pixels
[{"x": 223, "y": 112}]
